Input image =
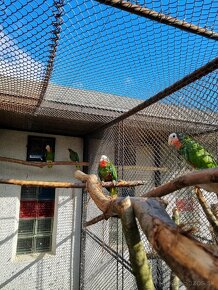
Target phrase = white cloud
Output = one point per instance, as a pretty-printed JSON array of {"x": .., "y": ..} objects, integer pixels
[{"x": 15, "y": 62}]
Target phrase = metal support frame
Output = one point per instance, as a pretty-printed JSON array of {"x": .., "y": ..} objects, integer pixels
[
  {"x": 160, "y": 17},
  {"x": 194, "y": 76},
  {"x": 56, "y": 32}
]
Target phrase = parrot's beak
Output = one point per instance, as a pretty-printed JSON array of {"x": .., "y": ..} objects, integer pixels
[{"x": 170, "y": 141}]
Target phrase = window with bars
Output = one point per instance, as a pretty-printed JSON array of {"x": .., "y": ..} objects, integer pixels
[{"x": 35, "y": 220}]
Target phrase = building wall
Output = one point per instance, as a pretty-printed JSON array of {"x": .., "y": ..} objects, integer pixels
[{"x": 59, "y": 270}]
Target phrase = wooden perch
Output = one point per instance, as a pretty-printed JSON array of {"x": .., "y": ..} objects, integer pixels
[
  {"x": 208, "y": 212},
  {"x": 42, "y": 164},
  {"x": 205, "y": 176},
  {"x": 58, "y": 184},
  {"x": 193, "y": 262}
]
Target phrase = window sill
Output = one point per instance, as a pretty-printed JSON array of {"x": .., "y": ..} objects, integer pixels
[{"x": 32, "y": 257}]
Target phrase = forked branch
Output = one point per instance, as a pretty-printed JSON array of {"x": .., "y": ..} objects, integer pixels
[{"x": 193, "y": 262}]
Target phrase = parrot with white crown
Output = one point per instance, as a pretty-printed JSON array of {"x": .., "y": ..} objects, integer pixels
[
  {"x": 195, "y": 155},
  {"x": 107, "y": 172}
]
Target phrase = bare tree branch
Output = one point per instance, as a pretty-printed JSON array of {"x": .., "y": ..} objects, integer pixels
[
  {"x": 208, "y": 212},
  {"x": 193, "y": 262},
  {"x": 174, "y": 280},
  {"x": 191, "y": 179},
  {"x": 95, "y": 220},
  {"x": 138, "y": 258}
]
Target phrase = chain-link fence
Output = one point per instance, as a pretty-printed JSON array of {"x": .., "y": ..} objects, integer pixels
[{"x": 124, "y": 74}]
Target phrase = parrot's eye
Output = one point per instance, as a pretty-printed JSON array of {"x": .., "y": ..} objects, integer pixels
[{"x": 174, "y": 136}]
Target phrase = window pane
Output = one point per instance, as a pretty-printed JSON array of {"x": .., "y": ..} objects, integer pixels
[
  {"x": 43, "y": 244},
  {"x": 26, "y": 227},
  {"x": 29, "y": 192},
  {"x": 45, "y": 209},
  {"x": 28, "y": 209},
  {"x": 24, "y": 245},
  {"x": 46, "y": 193},
  {"x": 44, "y": 226}
]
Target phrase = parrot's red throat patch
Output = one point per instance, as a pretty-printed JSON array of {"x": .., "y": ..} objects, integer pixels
[
  {"x": 103, "y": 163},
  {"x": 177, "y": 144}
]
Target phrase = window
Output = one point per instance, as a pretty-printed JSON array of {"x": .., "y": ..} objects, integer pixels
[
  {"x": 35, "y": 220},
  {"x": 36, "y": 147}
]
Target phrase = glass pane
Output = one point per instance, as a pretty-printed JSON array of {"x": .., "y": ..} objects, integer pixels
[
  {"x": 45, "y": 209},
  {"x": 43, "y": 244},
  {"x": 29, "y": 192},
  {"x": 44, "y": 226},
  {"x": 26, "y": 227},
  {"x": 28, "y": 209},
  {"x": 46, "y": 193},
  {"x": 24, "y": 245}
]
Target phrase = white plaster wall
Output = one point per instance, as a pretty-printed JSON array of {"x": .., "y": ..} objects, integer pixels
[{"x": 59, "y": 270}]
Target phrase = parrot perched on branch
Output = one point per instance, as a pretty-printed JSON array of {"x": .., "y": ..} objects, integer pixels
[
  {"x": 74, "y": 157},
  {"x": 195, "y": 155},
  {"x": 49, "y": 155},
  {"x": 107, "y": 172}
]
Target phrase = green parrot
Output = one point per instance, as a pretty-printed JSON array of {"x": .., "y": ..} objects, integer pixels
[
  {"x": 74, "y": 157},
  {"x": 107, "y": 172},
  {"x": 195, "y": 155},
  {"x": 49, "y": 155}
]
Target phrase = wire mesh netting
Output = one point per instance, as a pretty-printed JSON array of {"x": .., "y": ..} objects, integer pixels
[
  {"x": 96, "y": 53},
  {"x": 125, "y": 75}
]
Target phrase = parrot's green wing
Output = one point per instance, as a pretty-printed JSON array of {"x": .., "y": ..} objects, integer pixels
[
  {"x": 196, "y": 155},
  {"x": 49, "y": 157},
  {"x": 113, "y": 172},
  {"x": 74, "y": 157},
  {"x": 108, "y": 173}
]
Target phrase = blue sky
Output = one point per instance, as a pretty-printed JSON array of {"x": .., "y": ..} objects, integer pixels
[{"x": 108, "y": 50}]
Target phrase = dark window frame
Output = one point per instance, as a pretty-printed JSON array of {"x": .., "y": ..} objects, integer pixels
[{"x": 40, "y": 142}]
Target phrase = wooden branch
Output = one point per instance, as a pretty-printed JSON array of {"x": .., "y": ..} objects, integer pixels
[
  {"x": 208, "y": 212},
  {"x": 95, "y": 220},
  {"x": 42, "y": 164},
  {"x": 137, "y": 255},
  {"x": 174, "y": 280},
  {"x": 160, "y": 17},
  {"x": 58, "y": 184},
  {"x": 191, "y": 179},
  {"x": 214, "y": 208},
  {"x": 193, "y": 262}
]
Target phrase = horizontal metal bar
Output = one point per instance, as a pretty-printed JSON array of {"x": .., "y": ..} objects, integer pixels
[
  {"x": 160, "y": 17},
  {"x": 197, "y": 74}
]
